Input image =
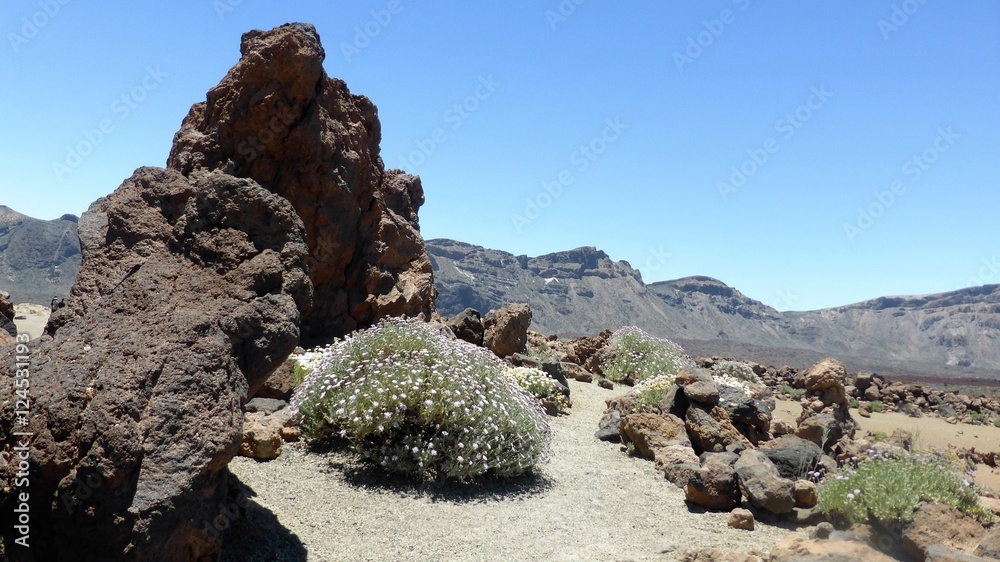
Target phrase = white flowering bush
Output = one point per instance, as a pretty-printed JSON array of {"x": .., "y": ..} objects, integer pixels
[
  {"x": 544, "y": 388},
  {"x": 652, "y": 390},
  {"x": 415, "y": 402},
  {"x": 638, "y": 356},
  {"x": 739, "y": 375}
]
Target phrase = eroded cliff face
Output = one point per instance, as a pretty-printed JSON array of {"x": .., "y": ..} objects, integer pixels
[{"x": 279, "y": 119}]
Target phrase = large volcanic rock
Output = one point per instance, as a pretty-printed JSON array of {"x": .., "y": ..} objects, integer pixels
[
  {"x": 8, "y": 331},
  {"x": 278, "y": 118},
  {"x": 188, "y": 298}
]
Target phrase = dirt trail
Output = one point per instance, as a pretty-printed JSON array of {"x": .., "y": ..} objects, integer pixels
[{"x": 591, "y": 502}]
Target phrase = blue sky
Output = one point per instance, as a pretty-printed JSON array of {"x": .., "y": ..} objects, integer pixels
[{"x": 810, "y": 154}]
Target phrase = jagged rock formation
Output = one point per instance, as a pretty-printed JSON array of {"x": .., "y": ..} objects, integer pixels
[
  {"x": 279, "y": 119},
  {"x": 8, "y": 331},
  {"x": 188, "y": 298},
  {"x": 38, "y": 259},
  {"x": 583, "y": 291}
]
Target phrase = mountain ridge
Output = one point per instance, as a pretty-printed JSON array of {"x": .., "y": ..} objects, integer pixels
[{"x": 583, "y": 291}]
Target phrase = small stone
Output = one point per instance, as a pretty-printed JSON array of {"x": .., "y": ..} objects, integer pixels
[
  {"x": 605, "y": 383},
  {"x": 290, "y": 434},
  {"x": 806, "y": 493},
  {"x": 822, "y": 531},
  {"x": 740, "y": 518}
]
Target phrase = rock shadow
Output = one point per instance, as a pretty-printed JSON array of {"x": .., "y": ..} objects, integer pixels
[{"x": 256, "y": 535}]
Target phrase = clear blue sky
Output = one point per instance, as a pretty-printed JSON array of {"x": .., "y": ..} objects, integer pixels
[{"x": 641, "y": 110}]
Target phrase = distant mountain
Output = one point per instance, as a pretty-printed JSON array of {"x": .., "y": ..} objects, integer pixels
[
  {"x": 38, "y": 259},
  {"x": 584, "y": 291}
]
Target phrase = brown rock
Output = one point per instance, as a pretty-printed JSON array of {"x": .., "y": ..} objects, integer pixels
[
  {"x": 715, "y": 484},
  {"x": 806, "y": 493},
  {"x": 261, "y": 440},
  {"x": 698, "y": 386},
  {"x": 281, "y": 384},
  {"x": 941, "y": 524},
  {"x": 990, "y": 545},
  {"x": 187, "y": 299},
  {"x": 822, "y": 429},
  {"x": 716, "y": 555},
  {"x": 652, "y": 432},
  {"x": 678, "y": 463},
  {"x": 740, "y": 518},
  {"x": 507, "y": 329},
  {"x": 712, "y": 431},
  {"x": 781, "y": 427},
  {"x": 762, "y": 484},
  {"x": 576, "y": 372},
  {"x": 279, "y": 119},
  {"x": 467, "y": 326}
]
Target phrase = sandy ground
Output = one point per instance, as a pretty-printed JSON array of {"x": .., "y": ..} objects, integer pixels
[
  {"x": 31, "y": 319},
  {"x": 591, "y": 502},
  {"x": 928, "y": 433}
]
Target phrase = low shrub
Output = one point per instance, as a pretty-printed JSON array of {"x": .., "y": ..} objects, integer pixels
[
  {"x": 652, "y": 390},
  {"x": 977, "y": 417},
  {"x": 543, "y": 387},
  {"x": 888, "y": 490},
  {"x": 415, "y": 402},
  {"x": 853, "y": 403},
  {"x": 877, "y": 406},
  {"x": 737, "y": 374},
  {"x": 638, "y": 356},
  {"x": 791, "y": 393},
  {"x": 996, "y": 423}
]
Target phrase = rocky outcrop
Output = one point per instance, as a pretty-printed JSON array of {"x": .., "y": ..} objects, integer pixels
[
  {"x": 278, "y": 119},
  {"x": 468, "y": 326},
  {"x": 939, "y": 524},
  {"x": 715, "y": 484},
  {"x": 188, "y": 299},
  {"x": 8, "y": 331},
  {"x": 762, "y": 483},
  {"x": 826, "y": 415},
  {"x": 506, "y": 329}
]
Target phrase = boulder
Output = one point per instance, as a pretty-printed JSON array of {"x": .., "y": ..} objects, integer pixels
[
  {"x": 990, "y": 545},
  {"x": 712, "y": 431},
  {"x": 792, "y": 455},
  {"x": 678, "y": 463},
  {"x": 821, "y": 429},
  {"x": 576, "y": 372},
  {"x": 715, "y": 484},
  {"x": 762, "y": 484},
  {"x": 261, "y": 440},
  {"x": 942, "y": 553},
  {"x": 468, "y": 326},
  {"x": 277, "y": 118},
  {"x": 698, "y": 386},
  {"x": 609, "y": 426},
  {"x": 939, "y": 524},
  {"x": 652, "y": 432},
  {"x": 281, "y": 384},
  {"x": 188, "y": 298},
  {"x": 806, "y": 494},
  {"x": 740, "y": 518},
  {"x": 506, "y": 329}
]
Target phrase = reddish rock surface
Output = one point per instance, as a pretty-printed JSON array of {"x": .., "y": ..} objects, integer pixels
[
  {"x": 279, "y": 119},
  {"x": 187, "y": 300}
]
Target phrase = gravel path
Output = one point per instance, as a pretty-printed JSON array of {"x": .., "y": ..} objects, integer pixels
[{"x": 591, "y": 502}]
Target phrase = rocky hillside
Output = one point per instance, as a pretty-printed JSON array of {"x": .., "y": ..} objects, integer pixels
[
  {"x": 584, "y": 291},
  {"x": 38, "y": 259}
]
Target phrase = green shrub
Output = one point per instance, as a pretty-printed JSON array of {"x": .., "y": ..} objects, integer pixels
[
  {"x": 652, "y": 390},
  {"x": 791, "y": 393},
  {"x": 996, "y": 423},
  {"x": 543, "y": 387},
  {"x": 638, "y": 356},
  {"x": 888, "y": 490},
  {"x": 977, "y": 417},
  {"x": 415, "y": 402},
  {"x": 299, "y": 372},
  {"x": 853, "y": 403},
  {"x": 877, "y": 406}
]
